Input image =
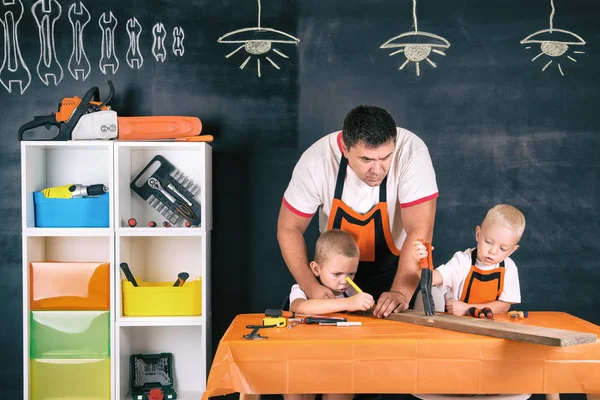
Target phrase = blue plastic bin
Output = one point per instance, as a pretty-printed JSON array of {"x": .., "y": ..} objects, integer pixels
[{"x": 87, "y": 212}]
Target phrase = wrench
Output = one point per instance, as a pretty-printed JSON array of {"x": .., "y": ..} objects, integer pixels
[
  {"x": 134, "y": 57},
  {"x": 16, "y": 70},
  {"x": 178, "y": 36},
  {"x": 79, "y": 65},
  {"x": 109, "y": 60},
  {"x": 46, "y": 12},
  {"x": 158, "y": 45}
]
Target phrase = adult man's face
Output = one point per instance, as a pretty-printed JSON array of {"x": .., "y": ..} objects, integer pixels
[{"x": 370, "y": 164}]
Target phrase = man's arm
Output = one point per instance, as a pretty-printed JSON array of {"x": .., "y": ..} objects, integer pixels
[
  {"x": 418, "y": 222},
  {"x": 290, "y": 235}
]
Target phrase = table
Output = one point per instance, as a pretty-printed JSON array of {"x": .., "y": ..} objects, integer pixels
[{"x": 384, "y": 356}]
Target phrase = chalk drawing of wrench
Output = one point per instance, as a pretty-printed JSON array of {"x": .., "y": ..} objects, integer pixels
[
  {"x": 79, "y": 65},
  {"x": 178, "y": 36},
  {"x": 13, "y": 69},
  {"x": 109, "y": 60},
  {"x": 158, "y": 45},
  {"x": 134, "y": 56},
  {"x": 46, "y": 12}
]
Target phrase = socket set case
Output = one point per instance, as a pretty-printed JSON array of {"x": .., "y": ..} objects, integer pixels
[{"x": 168, "y": 190}]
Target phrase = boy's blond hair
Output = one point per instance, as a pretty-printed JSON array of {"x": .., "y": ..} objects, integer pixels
[
  {"x": 335, "y": 241},
  {"x": 508, "y": 216}
]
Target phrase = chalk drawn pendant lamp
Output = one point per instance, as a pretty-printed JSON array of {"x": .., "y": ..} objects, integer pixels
[
  {"x": 257, "y": 41},
  {"x": 416, "y": 45},
  {"x": 554, "y": 43}
]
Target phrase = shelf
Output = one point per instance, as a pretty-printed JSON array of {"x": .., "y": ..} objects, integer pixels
[
  {"x": 160, "y": 231},
  {"x": 68, "y": 145},
  {"x": 193, "y": 160},
  {"x": 186, "y": 395},
  {"x": 49, "y": 164},
  {"x": 186, "y": 343},
  {"x": 68, "y": 248},
  {"x": 160, "y": 321},
  {"x": 68, "y": 232}
]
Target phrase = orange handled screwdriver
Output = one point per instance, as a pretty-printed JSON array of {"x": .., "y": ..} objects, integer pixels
[{"x": 181, "y": 278}]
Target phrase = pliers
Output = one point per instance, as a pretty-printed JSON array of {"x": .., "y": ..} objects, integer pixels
[{"x": 426, "y": 265}]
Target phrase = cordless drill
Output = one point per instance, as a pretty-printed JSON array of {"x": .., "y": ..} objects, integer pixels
[{"x": 74, "y": 190}]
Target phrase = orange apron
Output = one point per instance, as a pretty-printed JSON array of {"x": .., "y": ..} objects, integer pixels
[
  {"x": 378, "y": 254},
  {"x": 482, "y": 286}
]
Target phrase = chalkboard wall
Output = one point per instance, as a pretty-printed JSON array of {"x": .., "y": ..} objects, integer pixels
[{"x": 501, "y": 125}]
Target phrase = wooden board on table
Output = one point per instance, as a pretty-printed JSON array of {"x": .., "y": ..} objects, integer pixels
[{"x": 504, "y": 330}]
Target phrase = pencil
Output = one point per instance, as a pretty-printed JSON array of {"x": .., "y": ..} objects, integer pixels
[{"x": 351, "y": 282}]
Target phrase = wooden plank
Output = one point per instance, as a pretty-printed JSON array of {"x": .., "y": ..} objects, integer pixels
[{"x": 504, "y": 330}]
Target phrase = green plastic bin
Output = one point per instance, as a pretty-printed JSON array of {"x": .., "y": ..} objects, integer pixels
[{"x": 69, "y": 334}]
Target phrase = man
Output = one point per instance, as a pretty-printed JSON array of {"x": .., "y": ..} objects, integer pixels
[{"x": 375, "y": 181}]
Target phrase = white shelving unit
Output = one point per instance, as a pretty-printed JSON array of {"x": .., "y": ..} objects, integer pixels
[
  {"x": 153, "y": 254},
  {"x": 47, "y": 164}
]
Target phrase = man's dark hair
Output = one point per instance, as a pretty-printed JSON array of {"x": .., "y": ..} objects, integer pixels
[{"x": 370, "y": 125}]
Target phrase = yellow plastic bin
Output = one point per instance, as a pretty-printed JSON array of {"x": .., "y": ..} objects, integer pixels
[
  {"x": 70, "y": 379},
  {"x": 162, "y": 298}
]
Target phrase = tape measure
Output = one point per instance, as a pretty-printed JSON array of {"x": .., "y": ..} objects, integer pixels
[{"x": 279, "y": 321}]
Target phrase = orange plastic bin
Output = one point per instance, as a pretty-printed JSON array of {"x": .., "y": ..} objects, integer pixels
[{"x": 69, "y": 286}]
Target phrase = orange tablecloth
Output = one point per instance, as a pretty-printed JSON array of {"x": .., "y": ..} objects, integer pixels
[{"x": 383, "y": 356}]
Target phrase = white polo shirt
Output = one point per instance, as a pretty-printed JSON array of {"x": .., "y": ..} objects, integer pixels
[{"x": 410, "y": 181}]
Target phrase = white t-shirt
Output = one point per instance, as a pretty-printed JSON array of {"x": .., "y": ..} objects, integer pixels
[
  {"x": 297, "y": 293},
  {"x": 455, "y": 271},
  {"x": 410, "y": 181}
]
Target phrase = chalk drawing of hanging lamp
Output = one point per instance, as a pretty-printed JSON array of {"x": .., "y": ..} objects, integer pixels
[
  {"x": 258, "y": 41},
  {"x": 416, "y": 45},
  {"x": 554, "y": 43}
]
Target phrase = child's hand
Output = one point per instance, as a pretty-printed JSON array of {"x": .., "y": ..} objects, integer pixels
[
  {"x": 420, "y": 251},
  {"x": 360, "y": 302},
  {"x": 456, "y": 307}
]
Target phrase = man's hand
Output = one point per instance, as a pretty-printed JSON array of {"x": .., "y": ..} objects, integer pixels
[
  {"x": 318, "y": 291},
  {"x": 360, "y": 302},
  {"x": 390, "y": 302},
  {"x": 456, "y": 307}
]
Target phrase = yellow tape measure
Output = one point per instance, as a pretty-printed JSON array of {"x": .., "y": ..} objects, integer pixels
[{"x": 279, "y": 321}]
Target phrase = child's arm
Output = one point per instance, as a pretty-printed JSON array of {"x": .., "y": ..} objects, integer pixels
[
  {"x": 420, "y": 251},
  {"x": 358, "y": 302}
]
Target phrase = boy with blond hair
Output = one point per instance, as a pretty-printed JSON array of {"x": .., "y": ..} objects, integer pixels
[
  {"x": 484, "y": 276},
  {"x": 336, "y": 257}
]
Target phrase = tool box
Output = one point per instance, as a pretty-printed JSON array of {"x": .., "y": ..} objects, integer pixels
[
  {"x": 85, "y": 212},
  {"x": 151, "y": 376},
  {"x": 162, "y": 298}
]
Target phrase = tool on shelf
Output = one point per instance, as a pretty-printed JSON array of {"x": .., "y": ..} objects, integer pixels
[
  {"x": 88, "y": 118},
  {"x": 125, "y": 268},
  {"x": 74, "y": 190},
  {"x": 181, "y": 278},
  {"x": 168, "y": 190},
  {"x": 426, "y": 265},
  {"x": 152, "y": 376}
]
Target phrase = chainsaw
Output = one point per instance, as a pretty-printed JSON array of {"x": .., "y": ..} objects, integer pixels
[{"x": 88, "y": 118}]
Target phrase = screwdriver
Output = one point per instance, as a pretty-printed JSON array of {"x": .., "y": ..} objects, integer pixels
[{"x": 181, "y": 278}]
